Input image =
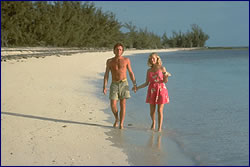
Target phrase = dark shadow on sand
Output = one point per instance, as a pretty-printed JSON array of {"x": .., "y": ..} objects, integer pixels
[{"x": 54, "y": 120}]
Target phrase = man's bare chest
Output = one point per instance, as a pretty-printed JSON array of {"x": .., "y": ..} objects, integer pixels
[{"x": 118, "y": 64}]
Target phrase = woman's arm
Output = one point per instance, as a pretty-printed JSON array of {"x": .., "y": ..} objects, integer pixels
[
  {"x": 144, "y": 84},
  {"x": 165, "y": 75}
]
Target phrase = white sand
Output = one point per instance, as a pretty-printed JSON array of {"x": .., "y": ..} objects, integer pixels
[{"x": 51, "y": 114}]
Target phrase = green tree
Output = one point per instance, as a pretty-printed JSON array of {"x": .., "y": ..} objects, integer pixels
[
  {"x": 199, "y": 37},
  {"x": 16, "y": 22},
  {"x": 165, "y": 40}
]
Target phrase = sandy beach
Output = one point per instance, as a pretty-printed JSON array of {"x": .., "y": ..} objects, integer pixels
[{"x": 50, "y": 113}]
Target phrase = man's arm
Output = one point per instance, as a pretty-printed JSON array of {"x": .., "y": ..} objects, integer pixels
[
  {"x": 106, "y": 77},
  {"x": 131, "y": 74}
]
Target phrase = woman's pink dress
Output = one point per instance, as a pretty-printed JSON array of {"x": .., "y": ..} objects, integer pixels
[{"x": 157, "y": 90}]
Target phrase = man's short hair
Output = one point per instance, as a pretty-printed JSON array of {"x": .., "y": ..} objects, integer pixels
[{"x": 119, "y": 44}]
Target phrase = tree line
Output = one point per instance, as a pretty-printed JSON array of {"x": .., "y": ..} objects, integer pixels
[{"x": 81, "y": 24}]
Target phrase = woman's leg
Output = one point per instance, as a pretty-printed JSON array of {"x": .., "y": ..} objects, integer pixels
[
  {"x": 160, "y": 116},
  {"x": 152, "y": 114}
]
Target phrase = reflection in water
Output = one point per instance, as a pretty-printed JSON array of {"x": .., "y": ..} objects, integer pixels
[
  {"x": 154, "y": 150},
  {"x": 158, "y": 141},
  {"x": 142, "y": 147},
  {"x": 120, "y": 135}
]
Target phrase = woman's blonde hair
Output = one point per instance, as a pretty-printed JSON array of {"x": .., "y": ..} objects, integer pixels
[{"x": 159, "y": 62}]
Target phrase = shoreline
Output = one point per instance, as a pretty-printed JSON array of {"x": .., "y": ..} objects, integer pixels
[
  {"x": 55, "y": 117},
  {"x": 9, "y": 53},
  {"x": 42, "y": 52}
]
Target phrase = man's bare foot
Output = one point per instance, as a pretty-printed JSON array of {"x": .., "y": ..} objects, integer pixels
[
  {"x": 116, "y": 124},
  {"x": 159, "y": 129}
]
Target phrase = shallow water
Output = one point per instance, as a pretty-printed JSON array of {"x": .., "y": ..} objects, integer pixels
[{"x": 207, "y": 120}]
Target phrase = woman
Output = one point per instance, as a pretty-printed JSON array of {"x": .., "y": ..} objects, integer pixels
[{"x": 157, "y": 93}]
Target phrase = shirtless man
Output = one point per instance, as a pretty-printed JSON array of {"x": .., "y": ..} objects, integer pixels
[{"x": 119, "y": 89}]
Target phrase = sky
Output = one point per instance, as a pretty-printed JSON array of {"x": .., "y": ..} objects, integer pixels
[{"x": 226, "y": 22}]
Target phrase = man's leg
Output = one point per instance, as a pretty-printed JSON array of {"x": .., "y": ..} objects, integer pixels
[
  {"x": 122, "y": 112},
  {"x": 115, "y": 112}
]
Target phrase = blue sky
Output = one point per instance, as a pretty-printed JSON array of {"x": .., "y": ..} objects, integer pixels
[{"x": 226, "y": 22}]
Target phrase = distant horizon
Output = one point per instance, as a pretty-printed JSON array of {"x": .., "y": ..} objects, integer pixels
[{"x": 229, "y": 46}]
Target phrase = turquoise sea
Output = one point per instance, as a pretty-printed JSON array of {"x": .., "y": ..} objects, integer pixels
[{"x": 207, "y": 120}]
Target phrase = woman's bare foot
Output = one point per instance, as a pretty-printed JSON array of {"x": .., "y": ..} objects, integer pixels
[
  {"x": 159, "y": 129},
  {"x": 153, "y": 126},
  {"x": 121, "y": 127},
  {"x": 116, "y": 123}
]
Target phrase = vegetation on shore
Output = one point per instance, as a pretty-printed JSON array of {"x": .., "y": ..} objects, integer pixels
[{"x": 81, "y": 24}]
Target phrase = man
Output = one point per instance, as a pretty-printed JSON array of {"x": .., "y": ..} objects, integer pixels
[{"x": 119, "y": 89}]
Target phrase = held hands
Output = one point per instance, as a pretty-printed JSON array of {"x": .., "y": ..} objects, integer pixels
[{"x": 134, "y": 88}]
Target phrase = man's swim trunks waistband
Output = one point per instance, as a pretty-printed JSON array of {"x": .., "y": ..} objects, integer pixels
[{"x": 120, "y": 81}]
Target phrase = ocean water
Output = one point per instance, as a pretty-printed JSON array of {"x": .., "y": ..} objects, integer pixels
[{"x": 207, "y": 120}]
